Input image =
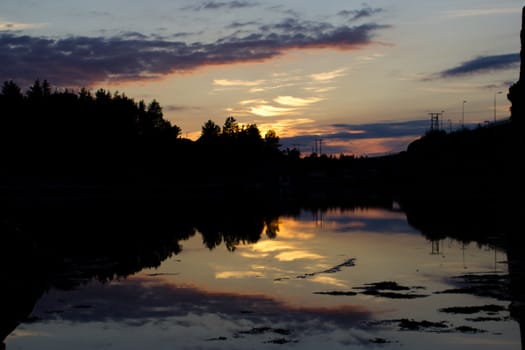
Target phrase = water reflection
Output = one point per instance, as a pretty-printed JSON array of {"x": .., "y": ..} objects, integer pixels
[{"x": 241, "y": 278}]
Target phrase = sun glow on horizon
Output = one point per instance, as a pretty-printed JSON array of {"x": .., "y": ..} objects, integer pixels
[{"x": 293, "y": 68}]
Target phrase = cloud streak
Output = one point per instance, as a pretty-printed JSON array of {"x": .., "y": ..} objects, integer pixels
[
  {"x": 221, "y": 5},
  {"x": 236, "y": 83},
  {"x": 360, "y": 13},
  {"x": 482, "y": 64},
  {"x": 370, "y": 139},
  {"x": 271, "y": 111},
  {"x": 13, "y": 26},
  {"x": 296, "y": 101},
  {"x": 84, "y": 61},
  {"x": 328, "y": 76},
  {"x": 481, "y": 12}
]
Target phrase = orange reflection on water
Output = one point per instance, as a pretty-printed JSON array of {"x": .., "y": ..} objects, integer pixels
[
  {"x": 330, "y": 281},
  {"x": 297, "y": 254},
  {"x": 237, "y": 274},
  {"x": 270, "y": 246}
]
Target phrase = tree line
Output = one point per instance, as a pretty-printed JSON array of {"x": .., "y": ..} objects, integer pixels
[
  {"x": 63, "y": 136},
  {"x": 104, "y": 135},
  {"x": 47, "y": 131}
]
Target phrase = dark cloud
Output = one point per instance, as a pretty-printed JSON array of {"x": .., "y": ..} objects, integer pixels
[
  {"x": 295, "y": 26},
  {"x": 179, "y": 108},
  {"x": 394, "y": 135},
  {"x": 236, "y": 25},
  {"x": 220, "y": 5},
  {"x": 498, "y": 86},
  {"x": 83, "y": 61},
  {"x": 361, "y": 13},
  {"x": 133, "y": 35},
  {"x": 482, "y": 64},
  {"x": 378, "y": 130},
  {"x": 228, "y": 5},
  {"x": 180, "y": 35}
]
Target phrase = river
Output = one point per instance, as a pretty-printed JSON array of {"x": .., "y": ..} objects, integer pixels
[{"x": 354, "y": 278}]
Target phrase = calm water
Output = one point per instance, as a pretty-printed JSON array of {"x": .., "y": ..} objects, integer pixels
[{"x": 332, "y": 280}]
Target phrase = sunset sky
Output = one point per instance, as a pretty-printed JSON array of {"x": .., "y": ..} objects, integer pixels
[{"x": 362, "y": 76}]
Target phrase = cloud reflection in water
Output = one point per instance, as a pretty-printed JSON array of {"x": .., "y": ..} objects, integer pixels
[{"x": 147, "y": 304}]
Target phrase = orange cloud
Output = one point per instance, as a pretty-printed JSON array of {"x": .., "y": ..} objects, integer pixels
[
  {"x": 296, "y": 101},
  {"x": 254, "y": 101},
  {"x": 285, "y": 127},
  {"x": 271, "y": 111},
  {"x": 235, "y": 83},
  {"x": 328, "y": 76}
]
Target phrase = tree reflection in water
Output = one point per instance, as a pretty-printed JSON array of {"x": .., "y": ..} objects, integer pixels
[{"x": 63, "y": 248}]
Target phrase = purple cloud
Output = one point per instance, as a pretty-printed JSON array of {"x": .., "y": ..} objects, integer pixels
[
  {"x": 393, "y": 137},
  {"x": 83, "y": 61},
  {"x": 482, "y": 64}
]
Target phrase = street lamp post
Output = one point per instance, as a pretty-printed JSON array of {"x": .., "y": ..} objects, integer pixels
[
  {"x": 496, "y": 93},
  {"x": 463, "y": 115}
]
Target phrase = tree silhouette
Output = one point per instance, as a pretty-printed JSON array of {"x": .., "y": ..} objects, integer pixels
[
  {"x": 38, "y": 90},
  {"x": 272, "y": 140},
  {"x": 210, "y": 131},
  {"x": 11, "y": 91},
  {"x": 251, "y": 135},
  {"x": 230, "y": 128},
  {"x": 59, "y": 132},
  {"x": 154, "y": 118}
]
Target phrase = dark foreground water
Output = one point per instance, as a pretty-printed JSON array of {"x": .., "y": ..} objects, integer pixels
[{"x": 336, "y": 279}]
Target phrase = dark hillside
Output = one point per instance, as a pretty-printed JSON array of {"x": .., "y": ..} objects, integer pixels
[{"x": 485, "y": 162}]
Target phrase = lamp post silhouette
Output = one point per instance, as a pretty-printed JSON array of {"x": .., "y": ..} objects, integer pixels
[
  {"x": 496, "y": 93},
  {"x": 463, "y": 115}
]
